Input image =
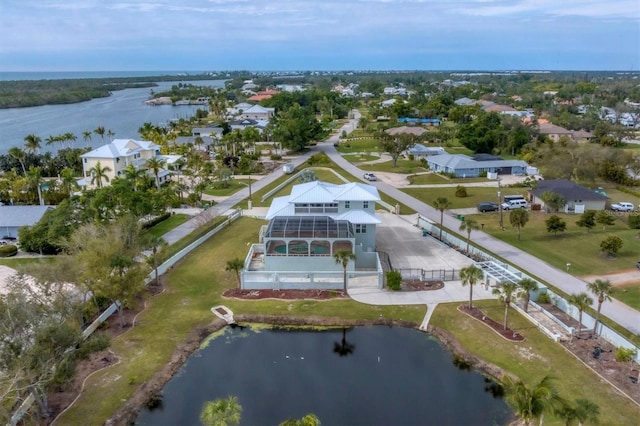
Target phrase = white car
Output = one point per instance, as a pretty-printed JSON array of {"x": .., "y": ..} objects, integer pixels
[
  {"x": 370, "y": 176},
  {"x": 622, "y": 207}
]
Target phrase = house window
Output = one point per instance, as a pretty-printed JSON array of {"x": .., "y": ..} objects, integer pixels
[
  {"x": 85, "y": 160},
  {"x": 365, "y": 204},
  {"x": 361, "y": 228},
  {"x": 117, "y": 159},
  {"x": 347, "y": 204}
]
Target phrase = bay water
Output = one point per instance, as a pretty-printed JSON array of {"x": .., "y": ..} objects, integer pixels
[{"x": 124, "y": 112}]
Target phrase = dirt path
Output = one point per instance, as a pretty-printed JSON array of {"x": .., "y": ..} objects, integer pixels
[{"x": 624, "y": 278}]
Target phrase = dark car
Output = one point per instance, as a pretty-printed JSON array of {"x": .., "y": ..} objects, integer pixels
[{"x": 488, "y": 206}]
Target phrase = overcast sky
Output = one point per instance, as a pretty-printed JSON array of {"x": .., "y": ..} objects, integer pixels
[{"x": 207, "y": 35}]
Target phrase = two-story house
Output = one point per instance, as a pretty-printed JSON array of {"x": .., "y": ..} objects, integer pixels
[
  {"x": 306, "y": 229},
  {"x": 114, "y": 157}
]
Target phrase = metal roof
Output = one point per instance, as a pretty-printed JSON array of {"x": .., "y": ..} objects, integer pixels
[{"x": 498, "y": 272}]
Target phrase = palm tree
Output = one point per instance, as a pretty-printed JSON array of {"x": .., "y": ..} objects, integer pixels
[
  {"x": 100, "y": 131},
  {"x": 69, "y": 137},
  {"x": 468, "y": 226},
  {"x": 86, "y": 136},
  {"x": 581, "y": 301},
  {"x": 52, "y": 139},
  {"x": 19, "y": 155},
  {"x": 603, "y": 289},
  {"x": 308, "y": 420},
  {"x": 527, "y": 285},
  {"x": 32, "y": 143},
  {"x": 586, "y": 411},
  {"x": 471, "y": 275},
  {"x": 68, "y": 181},
  {"x": 343, "y": 257},
  {"x": 156, "y": 244},
  {"x": 235, "y": 265},
  {"x": 518, "y": 219},
  {"x": 111, "y": 134},
  {"x": 221, "y": 412},
  {"x": 532, "y": 403},
  {"x": 506, "y": 290},
  {"x": 441, "y": 204},
  {"x": 35, "y": 181},
  {"x": 156, "y": 164},
  {"x": 134, "y": 175},
  {"x": 98, "y": 173}
]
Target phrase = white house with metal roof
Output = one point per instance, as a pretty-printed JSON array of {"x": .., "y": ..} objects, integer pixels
[
  {"x": 464, "y": 166},
  {"x": 306, "y": 229},
  {"x": 119, "y": 154},
  {"x": 12, "y": 218}
]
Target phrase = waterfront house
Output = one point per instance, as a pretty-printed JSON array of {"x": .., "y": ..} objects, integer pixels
[
  {"x": 119, "y": 154},
  {"x": 306, "y": 229}
]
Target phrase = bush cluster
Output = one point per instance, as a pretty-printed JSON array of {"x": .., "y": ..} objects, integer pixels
[
  {"x": 394, "y": 280},
  {"x": 156, "y": 220},
  {"x": 8, "y": 250}
]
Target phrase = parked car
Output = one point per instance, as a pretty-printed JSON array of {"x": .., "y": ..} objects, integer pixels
[
  {"x": 515, "y": 204},
  {"x": 638, "y": 265},
  {"x": 622, "y": 207},
  {"x": 488, "y": 206},
  {"x": 370, "y": 176}
]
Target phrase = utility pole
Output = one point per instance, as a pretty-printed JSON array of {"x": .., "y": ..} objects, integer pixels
[{"x": 500, "y": 206}]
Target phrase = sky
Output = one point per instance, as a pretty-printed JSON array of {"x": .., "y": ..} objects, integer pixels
[{"x": 289, "y": 35}]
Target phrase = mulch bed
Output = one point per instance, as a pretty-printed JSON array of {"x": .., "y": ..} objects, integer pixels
[
  {"x": 283, "y": 294},
  {"x": 419, "y": 285},
  {"x": 507, "y": 333}
]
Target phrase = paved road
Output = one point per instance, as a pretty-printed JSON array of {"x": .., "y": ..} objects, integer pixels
[
  {"x": 616, "y": 311},
  {"x": 620, "y": 313}
]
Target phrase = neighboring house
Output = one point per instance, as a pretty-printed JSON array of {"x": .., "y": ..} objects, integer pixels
[
  {"x": 552, "y": 131},
  {"x": 581, "y": 135},
  {"x": 263, "y": 94},
  {"x": 307, "y": 228},
  {"x": 465, "y": 102},
  {"x": 117, "y": 155},
  {"x": 577, "y": 197},
  {"x": 257, "y": 112},
  {"x": 248, "y": 122},
  {"x": 424, "y": 121},
  {"x": 212, "y": 132},
  {"x": 207, "y": 142},
  {"x": 464, "y": 166},
  {"x": 13, "y": 218},
  {"x": 420, "y": 151}
]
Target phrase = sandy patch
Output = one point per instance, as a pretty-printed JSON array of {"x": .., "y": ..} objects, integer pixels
[{"x": 624, "y": 278}]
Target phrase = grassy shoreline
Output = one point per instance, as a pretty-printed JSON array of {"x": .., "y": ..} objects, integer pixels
[{"x": 196, "y": 284}]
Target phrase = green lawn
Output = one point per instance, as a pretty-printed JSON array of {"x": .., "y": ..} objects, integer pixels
[
  {"x": 629, "y": 295},
  {"x": 168, "y": 224},
  {"x": 475, "y": 194},
  {"x": 358, "y": 158},
  {"x": 534, "y": 358},
  {"x": 360, "y": 145},
  {"x": 438, "y": 179},
  {"x": 406, "y": 167},
  {"x": 235, "y": 185},
  {"x": 575, "y": 246},
  {"x": 15, "y": 262},
  {"x": 193, "y": 287}
]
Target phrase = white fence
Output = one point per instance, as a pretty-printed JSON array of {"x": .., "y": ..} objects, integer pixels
[
  {"x": 588, "y": 321},
  {"x": 321, "y": 280}
]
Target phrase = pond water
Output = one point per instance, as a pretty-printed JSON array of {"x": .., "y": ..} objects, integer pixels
[{"x": 375, "y": 376}]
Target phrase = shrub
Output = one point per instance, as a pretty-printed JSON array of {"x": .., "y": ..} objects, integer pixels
[
  {"x": 95, "y": 343},
  {"x": 394, "y": 280},
  {"x": 611, "y": 245},
  {"x": 625, "y": 354},
  {"x": 276, "y": 157},
  {"x": 8, "y": 250},
  {"x": 156, "y": 220},
  {"x": 634, "y": 221},
  {"x": 461, "y": 191},
  {"x": 544, "y": 298}
]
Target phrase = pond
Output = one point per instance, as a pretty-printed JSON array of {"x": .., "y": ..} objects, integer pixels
[{"x": 360, "y": 376}]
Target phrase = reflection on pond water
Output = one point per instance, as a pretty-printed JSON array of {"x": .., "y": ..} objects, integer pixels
[{"x": 360, "y": 376}]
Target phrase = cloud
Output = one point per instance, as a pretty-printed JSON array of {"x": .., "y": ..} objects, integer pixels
[{"x": 305, "y": 28}]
